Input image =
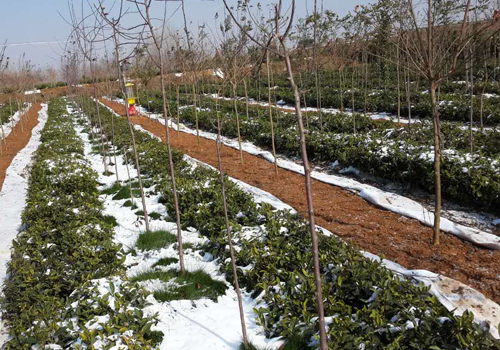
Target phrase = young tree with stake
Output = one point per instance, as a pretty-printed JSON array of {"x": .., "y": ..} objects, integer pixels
[{"x": 280, "y": 28}]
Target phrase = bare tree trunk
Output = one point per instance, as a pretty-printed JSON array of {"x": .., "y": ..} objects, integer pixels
[
  {"x": 353, "y": 106},
  {"x": 178, "y": 113},
  {"x": 131, "y": 129},
  {"x": 471, "y": 108},
  {"x": 408, "y": 97},
  {"x": 341, "y": 81},
  {"x": 228, "y": 230},
  {"x": 129, "y": 179},
  {"x": 149, "y": 105},
  {"x": 113, "y": 143},
  {"x": 437, "y": 162},
  {"x": 271, "y": 119},
  {"x": 196, "y": 113},
  {"x": 172, "y": 172},
  {"x": 305, "y": 102},
  {"x": 365, "y": 54},
  {"x": 100, "y": 127},
  {"x": 482, "y": 99},
  {"x": 21, "y": 117},
  {"x": 398, "y": 67},
  {"x": 310, "y": 205},
  {"x": 3, "y": 131},
  {"x": 12, "y": 114},
  {"x": 246, "y": 98},
  {"x": 235, "y": 103}
]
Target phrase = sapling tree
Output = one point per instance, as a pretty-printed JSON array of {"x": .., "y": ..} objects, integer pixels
[
  {"x": 438, "y": 37},
  {"x": 234, "y": 60},
  {"x": 117, "y": 32},
  {"x": 228, "y": 227},
  {"x": 280, "y": 28},
  {"x": 4, "y": 63},
  {"x": 86, "y": 38},
  {"x": 144, "y": 9}
]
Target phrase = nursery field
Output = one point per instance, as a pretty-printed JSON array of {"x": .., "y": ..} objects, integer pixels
[
  {"x": 86, "y": 271},
  {"x": 292, "y": 175}
]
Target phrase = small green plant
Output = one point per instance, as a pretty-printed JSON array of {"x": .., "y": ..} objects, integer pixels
[
  {"x": 115, "y": 187},
  {"x": 151, "y": 240},
  {"x": 128, "y": 203},
  {"x": 111, "y": 220},
  {"x": 166, "y": 262},
  {"x": 190, "y": 286}
]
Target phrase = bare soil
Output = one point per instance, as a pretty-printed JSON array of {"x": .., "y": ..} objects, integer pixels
[
  {"x": 403, "y": 240},
  {"x": 17, "y": 140}
]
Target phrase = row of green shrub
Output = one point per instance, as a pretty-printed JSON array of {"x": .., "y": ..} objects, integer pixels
[
  {"x": 403, "y": 155},
  {"x": 65, "y": 256},
  {"x": 367, "y": 305},
  {"x": 50, "y": 85},
  {"x": 7, "y": 111},
  {"x": 454, "y": 107}
]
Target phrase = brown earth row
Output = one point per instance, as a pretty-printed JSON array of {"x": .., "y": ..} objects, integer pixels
[
  {"x": 17, "y": 140},
  {"x": 403, "y": 240}
]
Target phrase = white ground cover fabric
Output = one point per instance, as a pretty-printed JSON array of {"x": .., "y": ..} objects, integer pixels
[{"x": 13, "y": 198}]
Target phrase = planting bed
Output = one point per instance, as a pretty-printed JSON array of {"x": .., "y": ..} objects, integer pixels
[
  {"x": 17, "y": 140},
  {"x": 64, "y": 287}
]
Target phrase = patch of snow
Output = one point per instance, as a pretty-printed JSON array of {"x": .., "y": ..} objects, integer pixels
[{"x": 31, "y": 92}]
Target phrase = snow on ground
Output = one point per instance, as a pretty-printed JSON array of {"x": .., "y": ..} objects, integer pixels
[
  {"x": 387, "y": 200},
  {"x": 186, "y": 324},
  {"x": 13, "y": 198},
  {"x": 289, "y": 108},
  {"x": 31, "y": 92},
  {"x": 7, "y": 127},
  {"x": 375, "y": 116}
]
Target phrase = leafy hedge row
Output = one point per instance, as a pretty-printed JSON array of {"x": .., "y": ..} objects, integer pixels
[
  {"x": 377, "y": 148},
  {"x": 5, "y": 113},
  {"x": 454, "y": 105},
  {"x": 368, "y": 307},
  {"x": 65, "y": 254}
]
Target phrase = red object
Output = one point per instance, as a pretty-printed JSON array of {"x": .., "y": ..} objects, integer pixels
[
  {"x": 132, "y": 110},
  {"x": 496, "y": 15}
]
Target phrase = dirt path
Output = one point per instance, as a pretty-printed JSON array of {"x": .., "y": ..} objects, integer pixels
[
  {"x": 17, "y": 140},
  {"x": 405, "y": 241}
]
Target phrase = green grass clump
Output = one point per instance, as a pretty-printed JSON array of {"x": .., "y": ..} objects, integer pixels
[
  {"x": 151, "y": 240},
  {"x": 155, "y": 216},
  {"x": 123, "y": 193},
  {"x": 111, "y": 220},
  {"x": 187, "y": 246},
  {"x": 191, "y": 286},
  {"x": 145, "y": 184},
  {"x": 249, "y": 347},
  {"x": 166, "y": 262},
  {"x": 129, "y": 204},
  {"x": 296, "y": 342},
  {"x": 115, "y": 187}
]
